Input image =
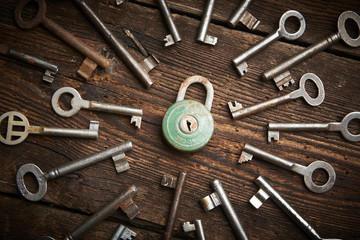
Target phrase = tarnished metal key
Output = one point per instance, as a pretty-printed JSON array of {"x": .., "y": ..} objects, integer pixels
[
  {"x": 239, "y": 62},
  {"x": 242, "y": 15},
  {"x": 196, "y": 226},
  {"x": 63, "y": 169},
  {"x": 202, "y": 36},
  {"x": 19, "y": 134},
  {"x": 343, "y": 127},
  {"x": 266, "y": 191},
  {"x": 249, "y": 151},
  {"x": 282, "y": 77},
  {"x": 219, "y": 197},
  {"x": 237, "y": 111},
  {"x": 50, "y": 68},
  {"x": 174, "y": 36},
  {"x": 123, "y": 233},
  {"x": 78, "y": 103},
  {"x": 57, "y": 30}
]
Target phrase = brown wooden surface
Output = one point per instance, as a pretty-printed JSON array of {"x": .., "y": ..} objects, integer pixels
[{"x": 72, "y": 198}]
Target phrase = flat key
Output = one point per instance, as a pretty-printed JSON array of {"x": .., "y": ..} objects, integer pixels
[
  {"x": 249, "y": 151},
  {"x": 242, "y": 15},
  {"x": 57, "y": 30},
  {"x": 62, "y": 170},
  {"x": 280, "y": 73},
  {"x": 174, "y": 36},
  {"x": 78, "y": 103},
  {"x": 16, "y": 119},
  {"x": 202, "y": 36},
  {"x": 237, "y": 111},
  {"x": 343, "y": 127},
  {"x": 50, "y": 68},
  {"x": 266, "y": 191},
  {"x": 239, "y": 62}
]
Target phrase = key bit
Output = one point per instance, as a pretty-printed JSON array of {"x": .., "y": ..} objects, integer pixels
[
  {"x": 249, "y": 21},
  {"x": 88, "y": 66},
  {"x": 119, "y": 2},
  {"x": 245, "y": 157},
  {"x": 259, "y": 198},
  {"x": 121, "y": 164},
  {"x": 242, "y": 15},
  {"x": 283, "y": 80},
  {"x": 210, "y": 202},
  {"x": 169, "y": 181},
  {"x": 123, "y": 233},
  {"x": 169, "y": 40},
  {"x": 234, "y": 106},
  {"x": 242, "y": 68},
  {"x": 273, "y": 135},
  {"x": 136, "y": 120},
  {"x": 196, "y": 226}
]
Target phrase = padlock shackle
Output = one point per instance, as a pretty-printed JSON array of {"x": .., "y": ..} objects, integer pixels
[{"x": 197, "y": 79}]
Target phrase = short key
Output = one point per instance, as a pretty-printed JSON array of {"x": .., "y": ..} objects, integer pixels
[
  {"x": 63, "y": 169},
  {"x": 14, "y": 137},
  {"x": 343, "y": 127},
  {"x": 239, "y": 62},
  {"x": 77, "y": 103},
  {"x": 174, "y": 36},
  {"x": 237, "y": 111},
  {"x": 242, "y": 15},
  {"x": 280, "y": 74},
  {"x": 249, "y": 151},
  {"x": 266, "y": 191},
  {"x": 202, "y": 36}
]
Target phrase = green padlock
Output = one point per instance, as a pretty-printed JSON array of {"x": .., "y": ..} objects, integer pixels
[{"x": 188, "y": 125}]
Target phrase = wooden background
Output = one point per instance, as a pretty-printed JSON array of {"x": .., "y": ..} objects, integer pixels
[{"x": 73, "y": 198}]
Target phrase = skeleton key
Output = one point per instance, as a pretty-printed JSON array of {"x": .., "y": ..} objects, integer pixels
[
  {"x": 57, "y": 30},
  {"x": 219, "y": 197},
  {"x": 266, "y": 191},
  {"x": 343, "y": 127},
  {"x": 77, "y": 103},
  {"x": 174, "y": 36},
  {"x": 280, "y": 74},
  {"x": 14, "y": 137},
  {"x": 196, "y": 226},
  {"x": 249, "y": 151},
  {"x": 123, "y": 233},
  {"x": 50, "y": 68},
  {"x": 238, "y": 111},
  {"x": 239, "y": 62},
  {"x": 202, "y": 36},
  {"x": 242, "y": 15},
  {"x": 63, "y": 169}
]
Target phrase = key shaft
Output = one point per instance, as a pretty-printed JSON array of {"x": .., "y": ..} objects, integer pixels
[
  {"x": 166, "y": 14},
  {"x": 204, "y": 25},
  {"x": 335, "y": 126},
  {"x": 111, "y": 108}
]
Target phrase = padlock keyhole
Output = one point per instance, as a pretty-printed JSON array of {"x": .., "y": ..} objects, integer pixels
[{"x": 188, "y": 124}]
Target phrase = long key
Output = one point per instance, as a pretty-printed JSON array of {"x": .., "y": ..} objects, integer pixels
[
  {"x": 282, "y": 77},
  {"x": 239, "y": 62},
  {"x": 63, "y": 169},
  {"x": 242, "y": 15},
  {"x": 202, "y": 36},
  {"x": 266, "y": 191},
  {"x": 237, "y": 111},
  {"x": 57, "y": 30},
  {"x": 50, "y": 68},
  {"x": 16, "y": 119},
  {"x": 249, "y": 151},
  {"x": 219, "y": 197},
  {"x": 78, "y": 103},
  {"x": 343, "y": 127},
  {"x": 140, "y": 72},
  {"x": 174, "y": 36}
]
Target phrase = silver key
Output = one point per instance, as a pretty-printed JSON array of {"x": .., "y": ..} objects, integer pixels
[
  {"x": 196, "y": 226},
  {"x": 239, "y": 62},
  {"x": 202, "y": 36},
  {"x": 123, "y": 233},
  {"x": 249, "y": 151},
  {"x": 63, "y": 169},
  {"x": 267, "y": 191},
  {"x": 242, "y": 15},
  {"x": 174, "y": 36},
  {"x": 237, "y": 111},
  {"x": 78, "y": 103},
  {"x": 282, "y": 77},
  {"x": 274, "y": 128},
  {"x": 16, "y": 119}
]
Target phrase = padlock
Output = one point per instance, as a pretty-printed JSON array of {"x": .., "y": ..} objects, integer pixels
[{"x": 188, "y": 125}]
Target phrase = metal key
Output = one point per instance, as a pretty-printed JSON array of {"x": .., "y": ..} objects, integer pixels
[
  {"x": 249, "y": 151},
  {"x": 239, "y": 62},
  {"x": 202, "y": 36},
  {"x": 196, "y": 226},
  {"x": 219, "y": 197},
  {"x": 282, "y": 77},
  {"x": 16, "y": 119},
  {"x": 140, "y": 72},
  {"x": 238, "y": 111},
  {"x": 63, "y": 169},
  {"x": 50, "y": 68},
  {"x": 57, "y": 30},
  {"x": 78, "y": 103},
  {"x": 242, "y": 15},
  {"x": 267, "y": 191},
  {"x": 123, "y": 233},
  {"x": 174, "y": 36},
  {"x": 343, "y": 127}
]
